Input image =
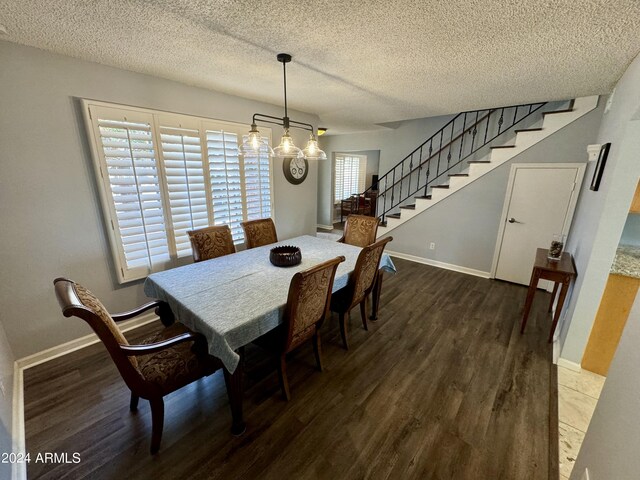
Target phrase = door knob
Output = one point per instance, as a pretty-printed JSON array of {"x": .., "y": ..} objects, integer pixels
[{"x": 513, "y": 220}]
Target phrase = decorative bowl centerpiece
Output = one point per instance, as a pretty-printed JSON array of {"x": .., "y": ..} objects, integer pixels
[{"x": 285, "y": 256}]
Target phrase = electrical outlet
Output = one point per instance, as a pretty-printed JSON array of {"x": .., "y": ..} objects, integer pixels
[{"x": 432, "y": 246}]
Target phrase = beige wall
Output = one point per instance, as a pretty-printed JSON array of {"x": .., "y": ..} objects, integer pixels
[{"x": 49, "y": 207}]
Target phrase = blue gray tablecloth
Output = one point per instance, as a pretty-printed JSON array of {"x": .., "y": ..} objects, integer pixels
[{"x": 235, "y": 299}]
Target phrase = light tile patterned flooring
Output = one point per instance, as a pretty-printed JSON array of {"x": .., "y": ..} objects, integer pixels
[{"x": 578, "y": 393}]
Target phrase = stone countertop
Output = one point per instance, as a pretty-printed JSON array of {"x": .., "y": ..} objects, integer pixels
[{"x": 627, "y": 261}]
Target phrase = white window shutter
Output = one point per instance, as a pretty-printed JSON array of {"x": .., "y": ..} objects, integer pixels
[
  {"x": 350, "y": 175},
  {"x": 225, "y": 179},
  {"x": 339, "y": 179},
  {"x": 130, "y": 173},
  {"x": 186, "y": 183},
  {"x": 362, "y": 173},
  {"x": 257, "y": 181}
]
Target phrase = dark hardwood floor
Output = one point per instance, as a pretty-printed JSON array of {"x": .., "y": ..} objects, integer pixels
[{"x": 442, "y": 386}]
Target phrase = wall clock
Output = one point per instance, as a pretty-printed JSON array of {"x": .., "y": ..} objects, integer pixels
[{"x": 295, "y": 169}]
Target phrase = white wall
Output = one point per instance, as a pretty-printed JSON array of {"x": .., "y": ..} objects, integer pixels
[
  {"x": 600, "y": 216},
  {"x": 6, "y": 417},
  {"x": 50, "y": 213},
  {"x": 610, "y": 448}
]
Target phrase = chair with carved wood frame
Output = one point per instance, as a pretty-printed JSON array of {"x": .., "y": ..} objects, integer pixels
[
  {"x": 211, "y": 242},
  {"x": 361, "y": 283},
  {"x": 360, "y": 230},
  {"x": 259, "y": 232},
  {"x": 307, "y": 306},
  {"x": 161, "y": 364}
]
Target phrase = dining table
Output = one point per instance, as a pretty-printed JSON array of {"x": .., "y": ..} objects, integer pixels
[{"x": 234, "y": 299}]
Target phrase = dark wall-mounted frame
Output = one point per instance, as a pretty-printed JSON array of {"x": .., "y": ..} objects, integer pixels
[{"x": 602, "y": 160}]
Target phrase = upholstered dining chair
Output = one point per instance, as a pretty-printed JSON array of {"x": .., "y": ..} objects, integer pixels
[
  {"x": 211, "y": 242},
  {"x": 161, "y": 364},
  {"x": 360, "y": 230},
  {"x": 360, "y": 284},
  {"x": 307, "y": 306},
  {"x": 259, "y": 232}
]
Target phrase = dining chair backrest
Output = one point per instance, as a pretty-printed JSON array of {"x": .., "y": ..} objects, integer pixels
[
  {"x": 259, "y": 232},
  {"x": 360, "y": 230},
  {"x": 308, "y": 301},
  {"x": 211, "y": 242},
  {"x": 75, "y": 300},
  {"x": 364, "y": 275}
]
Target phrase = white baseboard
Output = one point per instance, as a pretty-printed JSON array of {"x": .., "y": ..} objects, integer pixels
[
  {"x": 435, "y": 263},
  {"x": 325, "y": 227},
  {"x": 563, "y": 362},
  {"x": 555, "y": 353},
  {"x": 78, "y": 343},
  {"x": 19, "y": 471}
]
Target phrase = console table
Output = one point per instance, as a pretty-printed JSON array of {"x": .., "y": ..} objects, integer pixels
[{"x": 561, "y": 272}]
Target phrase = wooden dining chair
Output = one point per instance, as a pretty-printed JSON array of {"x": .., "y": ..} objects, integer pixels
[
  {"x": 259, "y": 232},
  {"x": 307, "y": 306},
  {"x": 360, "y": 284},
  {"x": 211, "y": 242},
  {"x": 159, "y": 365},
  {"x": 360, "y": 230}
]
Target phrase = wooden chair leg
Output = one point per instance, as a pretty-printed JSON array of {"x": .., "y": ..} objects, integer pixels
[
  {"x": 133, "y": 404},
  {"x": 363, "y": 312},
  {"x": 284, "y": 380},
  {"x": 157, "y": 423},
  {"x": 317, "y": 349},
  {"x": 166, "y": 315},
  {"x": 375, "y": 295},
  {"x": 343, "y": 330}
]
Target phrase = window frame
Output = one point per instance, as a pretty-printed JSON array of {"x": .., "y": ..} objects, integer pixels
[
  {"x": 124, "y": 273},
  {"x": 362, "y": 168}
]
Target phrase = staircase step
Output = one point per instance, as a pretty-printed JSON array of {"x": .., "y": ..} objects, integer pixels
[
  {"x": 528, "y": 130},
  {"x": 503, "y": 146},
  {"x": 458, "y": 174},
  {"x": 409, "y": 207},
  {"x": 479, "y": 161},
  {"x": 424, "y": 197},
  {"x": 440, "y": 186},
  {"x": 393, "y": 215},
  {"x": 558, "y": 111}
]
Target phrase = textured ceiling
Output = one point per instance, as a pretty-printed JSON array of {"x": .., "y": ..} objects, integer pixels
[{"x": 355, "y": 63}]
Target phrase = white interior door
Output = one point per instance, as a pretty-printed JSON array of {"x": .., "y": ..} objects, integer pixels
[{"x": 540, "y": 202}]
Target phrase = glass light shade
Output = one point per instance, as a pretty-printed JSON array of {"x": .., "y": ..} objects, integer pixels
[
  {"x": 312, "y": 151},
  {"x": 287, "y": 148},
  {"x": 251, "y": 141},
  {"x": 254, "y": 144}
]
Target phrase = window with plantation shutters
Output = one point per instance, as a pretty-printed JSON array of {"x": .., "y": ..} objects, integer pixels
[
  {"x": 162, "y": 174},
  {"x": 130, "y": 168},
  {"x": 349, "y": 175}
]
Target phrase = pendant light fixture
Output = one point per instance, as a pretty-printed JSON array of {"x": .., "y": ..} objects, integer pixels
[{"x": 255, "y": 144}]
